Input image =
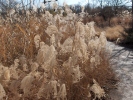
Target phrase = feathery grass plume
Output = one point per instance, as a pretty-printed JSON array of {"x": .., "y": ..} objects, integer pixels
[
  {"x": 92, "y": 30},
  {"x": 67, "y": 45},
  {"x": 6, "y": 74},
  {"x": 97, "y": 90},
  {"x": 26, "y": 84},
  {"x": 2, "y": 92},
  {"x": 83, "y": 8},
  {"x": 55, "y": 6},
  {"x": 76, "y": 74},
  {"x": 42, "y": 52},
  {"x": 51, "y": 57},
  {"x": 67, "y": 9},
  {"x": 92, "y": 61},
  {"x": 83, "y": 48},
  {"x": 103, "y": 40},
  {"x": 37, "y": 40},
  {"x": 52, "y": 40},
  {"x": 62, "y": 94},
  {"x": 67, "y": 55},
  {"x": 25, "y": 67},
  {"x": 34, "y": 8},
  {"x": 22, "y": 60},
  {"x": 42, "y": 6},
  {"x": 34, "y": 66},
  {"x": 52, "y": 29},
  {"x": 13, "y": 69}
]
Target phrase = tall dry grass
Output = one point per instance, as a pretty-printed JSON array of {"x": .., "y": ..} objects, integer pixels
[
  {"x": 114, "y": 27},
  {"x": 103, "y": 74},
  {"x": 115, "y": 32},
  {"x": 17, "y": 39}
]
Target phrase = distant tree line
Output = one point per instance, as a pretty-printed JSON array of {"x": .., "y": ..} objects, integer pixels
[{"x": 110, "y": 4}]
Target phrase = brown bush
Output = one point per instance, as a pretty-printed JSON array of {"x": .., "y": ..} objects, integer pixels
[
  {"x": 99, "y": 20},
  {"x": 115, "y": 21},
  {"x": 87, "y": 19},
  {"x": 127, "y": 22},
  {"x": 115, "y": 32}
]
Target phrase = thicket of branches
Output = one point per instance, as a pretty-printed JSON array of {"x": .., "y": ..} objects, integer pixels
[{"x": 106, "y": 8}]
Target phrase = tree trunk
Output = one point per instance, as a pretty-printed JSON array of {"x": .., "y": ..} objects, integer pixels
[
  {"x": 23, "y": 4},
  {"x": 132, "y": 14},
  {"x": 30, "y": 4}
]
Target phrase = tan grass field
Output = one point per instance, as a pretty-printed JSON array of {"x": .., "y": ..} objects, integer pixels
[{"x": 17, "y": 39}]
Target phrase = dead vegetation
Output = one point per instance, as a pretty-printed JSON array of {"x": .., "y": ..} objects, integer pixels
[
  {"x": 17, "y": 41},
  {"x": 115, "y": 32},
  {"x": 115, "y": 27}
]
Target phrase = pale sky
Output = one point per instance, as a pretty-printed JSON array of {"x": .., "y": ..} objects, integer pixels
[
  {"x": 81, "y": 2},
  {"x": 69, "y": 2}
]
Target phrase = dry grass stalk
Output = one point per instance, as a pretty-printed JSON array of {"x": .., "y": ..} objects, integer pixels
[{"x": 18, "y": 39}]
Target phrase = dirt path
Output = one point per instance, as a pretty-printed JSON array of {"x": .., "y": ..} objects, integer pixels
[{"x": 122, "y": 61}]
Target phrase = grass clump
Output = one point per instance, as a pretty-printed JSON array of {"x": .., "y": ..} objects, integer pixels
[{"x": 17, "y": 39}]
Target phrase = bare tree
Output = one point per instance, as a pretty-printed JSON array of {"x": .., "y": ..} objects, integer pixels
[
  {"x": 22, "y": 4},
  {"x": 101, "y": 3},
  {"x": 5, "y": 6},
  {"x": 112, "y": 2}
]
